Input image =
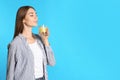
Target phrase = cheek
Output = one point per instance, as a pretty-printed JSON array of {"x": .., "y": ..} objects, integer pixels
[{"x": 28, "y": 21}]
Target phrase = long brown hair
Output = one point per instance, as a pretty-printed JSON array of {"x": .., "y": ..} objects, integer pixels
[{"x": 21, "y": 13}]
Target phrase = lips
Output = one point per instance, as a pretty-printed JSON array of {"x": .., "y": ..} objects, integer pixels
[{"x": 35, "y": 21}]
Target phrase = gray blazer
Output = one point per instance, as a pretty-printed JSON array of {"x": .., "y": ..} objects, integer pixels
[{"x": 21, "y": 61}]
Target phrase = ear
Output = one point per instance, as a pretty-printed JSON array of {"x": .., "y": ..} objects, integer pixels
[{"x": 23, "y": 21}]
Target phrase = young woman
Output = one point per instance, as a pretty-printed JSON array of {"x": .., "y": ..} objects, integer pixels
[{"x": 28, "y": 54}]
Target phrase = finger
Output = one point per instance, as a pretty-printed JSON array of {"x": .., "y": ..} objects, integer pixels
[{"x": 47, "y": 31}]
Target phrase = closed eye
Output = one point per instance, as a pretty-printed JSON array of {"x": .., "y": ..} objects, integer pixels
[{"x": 31, "y": 15}]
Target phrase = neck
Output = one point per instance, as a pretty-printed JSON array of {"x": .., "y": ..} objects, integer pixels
[{"x": 27, "y": 32}]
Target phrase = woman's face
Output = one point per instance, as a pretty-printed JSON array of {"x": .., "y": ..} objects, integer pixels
[{"x": 31, "y": 18}]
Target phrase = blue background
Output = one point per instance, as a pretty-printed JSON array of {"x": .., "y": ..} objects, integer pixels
[{"x": 84, "y": 34}]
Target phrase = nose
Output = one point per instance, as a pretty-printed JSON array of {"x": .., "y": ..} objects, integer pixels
[{"x": 36, "y": 17}]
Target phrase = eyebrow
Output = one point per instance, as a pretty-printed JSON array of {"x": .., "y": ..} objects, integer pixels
[{"x": 30, "y": 13}]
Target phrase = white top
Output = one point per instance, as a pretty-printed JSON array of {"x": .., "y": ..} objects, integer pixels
[{"x": 38, "y": 59}]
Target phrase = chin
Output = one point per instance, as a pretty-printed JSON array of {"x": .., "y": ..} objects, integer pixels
[{"x": 35, "y": 25}]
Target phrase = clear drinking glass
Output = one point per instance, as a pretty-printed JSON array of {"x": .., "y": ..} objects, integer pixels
[{"x": 43, "y": 30}]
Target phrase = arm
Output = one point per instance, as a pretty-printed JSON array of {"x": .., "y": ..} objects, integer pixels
[
  {"x": 48, "y": 49},
  {"x": 50, "y": 56},
  {"x": 11, "y": 63}
]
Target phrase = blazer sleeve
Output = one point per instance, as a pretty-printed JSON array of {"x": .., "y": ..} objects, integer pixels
[
  {"x": 11, "y": 63},
  {"x": 48, "y": 51},
  {"x": 50, "y": 56}
]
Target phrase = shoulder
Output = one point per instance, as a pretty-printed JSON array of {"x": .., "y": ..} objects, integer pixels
[
  {"x": 12, "y": 47},
  {"x": 37, "y": 36},
  {"x": 15, "y": 42}
]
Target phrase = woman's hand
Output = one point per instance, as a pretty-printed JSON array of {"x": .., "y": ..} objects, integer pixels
[{"x": 44, "y": 36}]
